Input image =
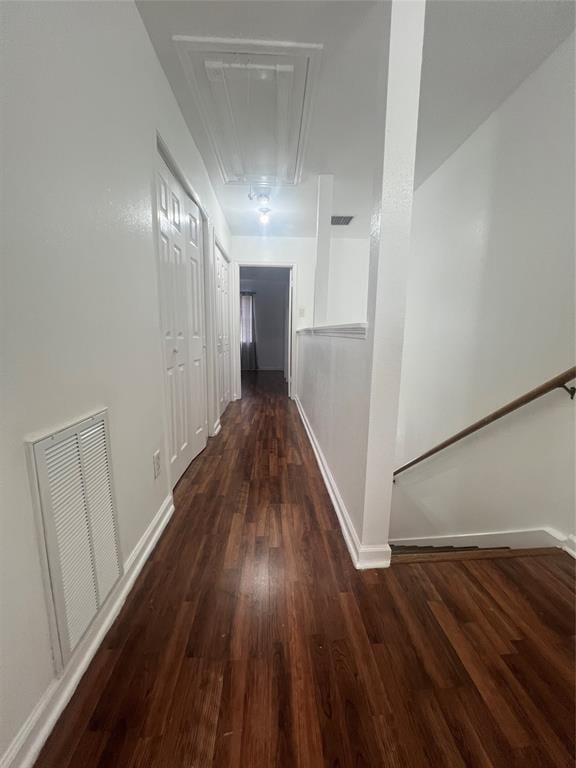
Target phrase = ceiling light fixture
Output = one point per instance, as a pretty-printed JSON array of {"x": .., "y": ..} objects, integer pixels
[{"x": 262, "y": 198}]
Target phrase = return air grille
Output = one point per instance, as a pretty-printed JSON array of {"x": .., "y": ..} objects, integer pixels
[
  {"x": 341, "y": 221},
  {"x": 74, "y": 480}
]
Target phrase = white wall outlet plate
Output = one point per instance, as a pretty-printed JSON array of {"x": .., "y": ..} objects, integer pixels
[{"x": 156, "y": 464}]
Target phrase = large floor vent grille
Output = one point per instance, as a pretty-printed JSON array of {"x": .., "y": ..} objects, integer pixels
[{"x": 73, "y": 475}]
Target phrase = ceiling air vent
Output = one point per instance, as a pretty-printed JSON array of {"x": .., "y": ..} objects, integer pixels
[{"x": 341, "y": 221}]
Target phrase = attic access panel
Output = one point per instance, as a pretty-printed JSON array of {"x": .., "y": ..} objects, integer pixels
[{"x": 255, "y": 100}]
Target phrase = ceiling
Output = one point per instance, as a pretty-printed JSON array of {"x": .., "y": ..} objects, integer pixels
[
  {"x": 476, "y": 52},
  {"x": 342, "y": 137},
  {"x": 255, "y": 98}
]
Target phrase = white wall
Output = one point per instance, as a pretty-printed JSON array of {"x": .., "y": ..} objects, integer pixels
[
  {"x": 348, "y": 280},
  {"x": 490, "y": 315},
  {"x": 333, "y": 375},
  {"x": 348, "y": 387},
  {"x": 270, "y": 305},
  {"x": 84, "y": 98},
  {"x": 300, "y": 251}
]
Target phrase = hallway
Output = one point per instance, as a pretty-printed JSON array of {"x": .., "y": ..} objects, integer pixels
[{"x": 249, "y": 639}]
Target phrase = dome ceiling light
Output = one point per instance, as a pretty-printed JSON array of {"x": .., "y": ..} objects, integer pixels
[{"x": 262, "y": 198}]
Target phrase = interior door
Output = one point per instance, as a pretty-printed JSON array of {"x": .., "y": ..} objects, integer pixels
[
  {"x": 219, "y": 261},
  {"x": 182, "y": 320},
  {"x": 223, "y": 329},
  {"x": 227, "y": 360}
]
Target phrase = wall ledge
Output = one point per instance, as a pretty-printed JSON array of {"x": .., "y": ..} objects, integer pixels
[{"x": 347, "y": 330}]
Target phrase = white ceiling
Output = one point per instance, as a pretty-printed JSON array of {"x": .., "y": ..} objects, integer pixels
[
  {"x": 343, "y": 133},
  {"x": 476, "y": 52}
]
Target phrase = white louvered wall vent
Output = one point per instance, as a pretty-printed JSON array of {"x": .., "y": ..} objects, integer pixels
[{"x": 78, "y": 513}]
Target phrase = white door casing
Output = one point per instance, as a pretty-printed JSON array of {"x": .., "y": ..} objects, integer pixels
[
  {"x": 226, "y": 332},
  {"x": 181, "y": 287},
  {"x": 211, "y": 330},
  {"x": 223, "y": 328},
  {"x": 289, "y": 350},
  {"x": 292, "y": 356}
]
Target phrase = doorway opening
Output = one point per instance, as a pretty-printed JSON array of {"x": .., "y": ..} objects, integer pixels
[{"x": 266, "y": 322}]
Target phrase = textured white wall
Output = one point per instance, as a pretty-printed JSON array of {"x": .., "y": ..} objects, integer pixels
[
  {"x": 348, "y": 281},
  {"x": 300, "y": 251},
  {"x": 84, "y": 95},
  {"x": 490, "y": 315},
  {"x": 333, "y": 376}
]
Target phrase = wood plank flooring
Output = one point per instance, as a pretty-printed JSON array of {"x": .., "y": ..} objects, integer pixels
[{"x": 249, "y": 640}]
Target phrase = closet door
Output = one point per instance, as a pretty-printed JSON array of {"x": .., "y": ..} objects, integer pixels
[
  {"x": 198, "y": 394},
  {"x": 223, "y": 328},
  {"x": 226, "y": 333},
  {"x": 182, "y": 321},
  {"x": 220, "y": 329}
]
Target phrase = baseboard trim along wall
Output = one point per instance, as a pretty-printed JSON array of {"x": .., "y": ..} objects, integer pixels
[
  {"x": 216, "y": 429},
  {"x": 528, "y": 538},
  {"x": 363, "y": 556},
  {"x": 30, "y": 739},
  {"x": 570, "y": 545}
]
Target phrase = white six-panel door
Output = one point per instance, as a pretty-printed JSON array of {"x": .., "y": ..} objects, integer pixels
[
  {"x": 182, "y": 321},
  {"x": 223, "y": 357}
]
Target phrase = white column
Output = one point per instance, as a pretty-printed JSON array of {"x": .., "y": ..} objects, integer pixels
[
  {"x": 324, "y": 214},
  {"x": 389, "y": 253}
]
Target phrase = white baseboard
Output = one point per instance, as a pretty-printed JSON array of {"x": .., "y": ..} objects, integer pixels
[
  {"x": 216, "y": 429},
  {"x": 363, "y": 556},
  {"x": 527, "y": 538},
  {"x": 570, "y": 545},
  {"x": 30, "y": 739}
]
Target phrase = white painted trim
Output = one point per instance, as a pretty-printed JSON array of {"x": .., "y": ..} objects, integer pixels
[
  {"x": 292, "y": 352},
  {"x": 216, "y": 429},
  {"x": 174, "y": 168},
  {"x": 347, "y": 331},
  {"x": 570, "y": 545},
  {"x": 235, "y": 373},
  {"x": 363, "y": 556},
  {"x": 26, "y": 746},
  {"x": 213, "y": 396},
  {"x": 524, "y": 538},
  {"x": 255, "y": 45}
]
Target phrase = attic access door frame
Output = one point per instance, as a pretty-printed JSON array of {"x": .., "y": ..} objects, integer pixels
[{"x": 291, "y": 335}]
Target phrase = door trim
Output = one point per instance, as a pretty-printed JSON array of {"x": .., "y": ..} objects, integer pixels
[
  {"x": 220, "y": 247},
  {"x": 292, "y": 295}
]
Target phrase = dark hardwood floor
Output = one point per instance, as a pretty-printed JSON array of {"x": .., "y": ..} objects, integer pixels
[{"x": 249, "y": 640}]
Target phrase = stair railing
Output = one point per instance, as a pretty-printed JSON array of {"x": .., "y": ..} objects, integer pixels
[{"x": 558, "y": 382}]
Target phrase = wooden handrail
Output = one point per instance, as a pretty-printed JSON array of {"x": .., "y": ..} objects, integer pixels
[{"x": 559, "y": 381}]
